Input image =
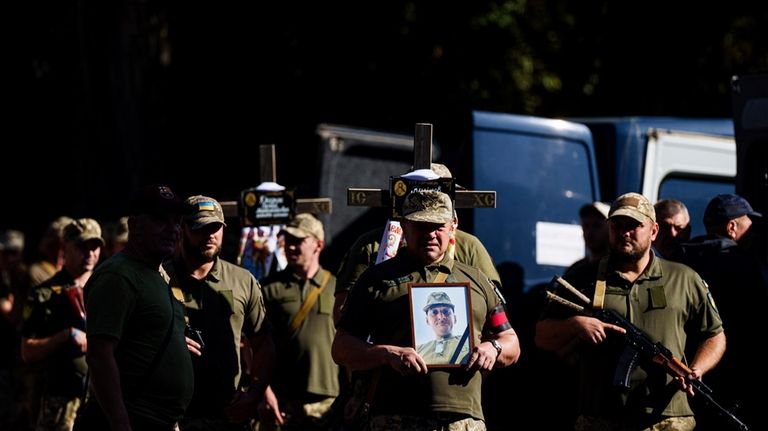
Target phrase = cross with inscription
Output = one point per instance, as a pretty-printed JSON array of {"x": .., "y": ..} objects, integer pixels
[
  {"x": 400, "y": 186},
  {"x": 269, "y": 203}
]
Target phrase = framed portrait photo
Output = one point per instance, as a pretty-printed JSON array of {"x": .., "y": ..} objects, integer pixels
[{"x": 441, "y": 319}]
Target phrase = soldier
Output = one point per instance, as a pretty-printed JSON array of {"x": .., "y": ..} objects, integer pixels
[
  {"x": 139, "y": 363},
  {"x": 467, "y": 248},
  {"x": 51, "y": 252},
  {"x": 221, "y": 302},
  {"x": 54, "y": 324},
  {"x": 299, "y": 302},
  {"x": 441, "y": 317},
  {"x": 375, "y": 326},
  {"x": 667, "y": 300}
]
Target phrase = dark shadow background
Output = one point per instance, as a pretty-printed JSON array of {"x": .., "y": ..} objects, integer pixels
[{"x": 104, "y": 96}]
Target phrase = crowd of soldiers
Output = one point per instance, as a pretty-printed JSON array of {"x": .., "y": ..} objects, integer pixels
[{"x": 175, "y": 337}]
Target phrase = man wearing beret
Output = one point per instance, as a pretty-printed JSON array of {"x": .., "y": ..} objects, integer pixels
[
  {"x": 54, "y": 324},
  {"x": 374, "y": 330},
  {"x": 666, "y": 300},
  {"x": 441, "y": 316},
  {"x": 221, "y": 302}
]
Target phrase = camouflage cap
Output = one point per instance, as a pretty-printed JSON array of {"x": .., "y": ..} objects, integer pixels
[
  {"x": 304, "y": 225},
  {"x": 12, "y": 240},
  {"x": 202, "y": 211},
  {"x": 156, "y": 199},
  {"x": 82, "y": 230},
  {"x": 633, "y": 205},
  {"x": 429, "y": 206},
  {"x": 438, "y": 298}
]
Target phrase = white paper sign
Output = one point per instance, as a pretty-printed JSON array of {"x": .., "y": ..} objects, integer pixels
[{"x": 558, "y": 244}]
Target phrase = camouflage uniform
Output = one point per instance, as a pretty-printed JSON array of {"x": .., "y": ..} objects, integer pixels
[
  {"x": 591, "y": 423},
  {"x": 418, "y": 423}
]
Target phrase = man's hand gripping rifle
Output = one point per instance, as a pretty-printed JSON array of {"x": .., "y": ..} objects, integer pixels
[{"x": 640, "y": 346}]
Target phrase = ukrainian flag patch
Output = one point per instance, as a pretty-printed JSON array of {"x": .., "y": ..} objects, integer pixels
[{"x": 206, "y": 206}]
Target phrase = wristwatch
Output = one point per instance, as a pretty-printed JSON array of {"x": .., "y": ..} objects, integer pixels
[{"x": 496, "y": 345}]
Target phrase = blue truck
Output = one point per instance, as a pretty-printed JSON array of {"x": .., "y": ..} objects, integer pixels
[{"x": 542, "y": 170}]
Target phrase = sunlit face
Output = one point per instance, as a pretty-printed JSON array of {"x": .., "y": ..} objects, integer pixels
[
  {"x": 81, "y": 257},
  {"x": 204, "y": 243},
  {"x": 441, "y": 319},
  {"x": 301, "y": 252},
  {"x": 629, "y": 239},
  {"x": 740, "y": 227},
  {"x": 427, "y": 242}
]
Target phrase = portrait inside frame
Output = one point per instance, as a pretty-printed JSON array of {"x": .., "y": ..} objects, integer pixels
[{"x": 441, "y": 319}]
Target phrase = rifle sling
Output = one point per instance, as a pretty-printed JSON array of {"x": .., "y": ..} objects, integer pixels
[{"x": 598, "y": 301}]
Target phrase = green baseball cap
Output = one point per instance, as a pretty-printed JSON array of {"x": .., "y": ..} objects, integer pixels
[{"x": 202, "y": 211}]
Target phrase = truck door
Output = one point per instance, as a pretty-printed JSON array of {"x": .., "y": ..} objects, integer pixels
[
  {"x": 543, "y": 171},
  {"x": 691, "y": 167}
]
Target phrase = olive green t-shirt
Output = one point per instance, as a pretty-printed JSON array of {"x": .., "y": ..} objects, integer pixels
[
  {"x": 672, "y": 305},
  {"x": 131, "y": 302},
  {"x": 378, "y": 307},
  {"x": 443, "y": 350},
  {"x": 362, "y": 254},
  {"x": 224, "y": 305},
  {"x": 304, "y": 364}
]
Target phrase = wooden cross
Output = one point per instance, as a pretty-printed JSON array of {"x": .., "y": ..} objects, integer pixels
[
  {"x": 422, "y": 159},
  {"x": 267, "y": 168}
]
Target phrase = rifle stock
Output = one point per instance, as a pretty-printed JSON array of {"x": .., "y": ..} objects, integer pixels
[{"x": 641, "y": 346}]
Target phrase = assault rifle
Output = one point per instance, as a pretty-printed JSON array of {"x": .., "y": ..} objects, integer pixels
[{"x": 640, "y": 346}]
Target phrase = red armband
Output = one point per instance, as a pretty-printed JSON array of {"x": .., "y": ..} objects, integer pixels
[{"x": 497, "y": 319}]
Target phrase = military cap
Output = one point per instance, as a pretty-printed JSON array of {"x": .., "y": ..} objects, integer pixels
[
  {"x": 438, "y": 298},
  {"x": 304, "y": 225},
  {"x": 202, "y": 211},
  {"x": 633, "y": 205},
  {"x": 82, "y": 230},
  {"x": 429, "y": 206}
]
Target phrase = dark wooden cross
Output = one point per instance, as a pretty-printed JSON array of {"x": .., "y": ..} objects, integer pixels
[
  {"x": 267, "y": 173},
  {"x": 422, "y": 159}
]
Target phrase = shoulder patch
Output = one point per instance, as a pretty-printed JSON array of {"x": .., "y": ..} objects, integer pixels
[
  {"x": 406, "y": 279},
  {"x": 389, "y": 283},
  {"x": 712, "y": 301}
]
